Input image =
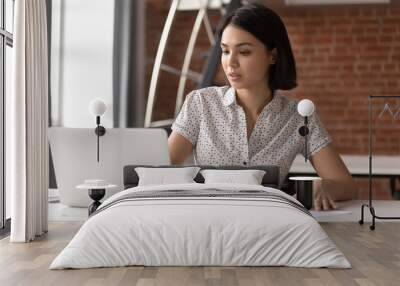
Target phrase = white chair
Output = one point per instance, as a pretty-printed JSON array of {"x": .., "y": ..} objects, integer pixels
[{"x": 74, "y": 157}]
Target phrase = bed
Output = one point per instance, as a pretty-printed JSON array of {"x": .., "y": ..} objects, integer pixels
[{"x": 201, "y": 224}]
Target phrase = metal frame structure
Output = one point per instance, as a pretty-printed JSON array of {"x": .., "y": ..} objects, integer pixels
[
  {"x": 2, "y": 125},
  {"x": 202, "y": 79},
  {"x": 370, "y": 131},
  {"x": 6, "y": 39}
]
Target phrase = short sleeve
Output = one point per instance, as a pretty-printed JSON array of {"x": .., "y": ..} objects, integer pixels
[
  {"x": 318, "y": 136},
  {"x": 187, "y": 123}
]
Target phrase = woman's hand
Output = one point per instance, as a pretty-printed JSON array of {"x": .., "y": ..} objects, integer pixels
[
  {"x": 323, "y": 200},
  {"x": 336, "y": 185}
]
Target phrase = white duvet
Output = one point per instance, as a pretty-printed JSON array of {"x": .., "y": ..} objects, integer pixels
[{"x": 200, "y": 231}]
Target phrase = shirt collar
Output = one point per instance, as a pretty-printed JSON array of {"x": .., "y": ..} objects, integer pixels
[{"x": 230, "y": 97}]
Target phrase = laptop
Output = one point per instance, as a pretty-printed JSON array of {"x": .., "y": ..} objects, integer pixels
[{"x": 74, "y": 155}]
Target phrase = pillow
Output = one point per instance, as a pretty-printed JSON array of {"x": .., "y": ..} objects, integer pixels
[
  {"x": 162, "y": 176},
  {"x": 248, "y": 177}
]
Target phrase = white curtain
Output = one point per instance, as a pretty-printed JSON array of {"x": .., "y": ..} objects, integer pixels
[{"x": 27, "y": 121}]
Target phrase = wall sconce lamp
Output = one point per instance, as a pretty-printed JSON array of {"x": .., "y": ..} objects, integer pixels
[
  {"x": 305, "y": 108},
  {"x": 97, "y": 107}
]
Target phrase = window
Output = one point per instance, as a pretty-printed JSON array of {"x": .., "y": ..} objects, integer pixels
[{"x": 6, "y": 44}]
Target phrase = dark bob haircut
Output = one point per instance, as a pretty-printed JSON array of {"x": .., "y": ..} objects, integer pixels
[{"x": 267, "y": 27}]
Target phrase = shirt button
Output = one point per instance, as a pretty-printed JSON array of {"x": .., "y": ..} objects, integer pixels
[{"x": 244, "y": 163}]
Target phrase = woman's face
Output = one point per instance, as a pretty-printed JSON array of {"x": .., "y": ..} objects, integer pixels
[{"x": 245, "y": 59}]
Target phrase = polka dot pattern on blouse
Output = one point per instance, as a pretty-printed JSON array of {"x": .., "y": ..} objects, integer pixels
[{"x": 215, "y": 124}]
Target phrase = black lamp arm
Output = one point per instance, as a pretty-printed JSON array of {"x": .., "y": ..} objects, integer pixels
[
  {"x": 303, "y": 130},
  {"x": 100, "y": 131}
]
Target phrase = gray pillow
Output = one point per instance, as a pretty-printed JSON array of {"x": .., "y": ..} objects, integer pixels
[{"x": 270, "y": 179}]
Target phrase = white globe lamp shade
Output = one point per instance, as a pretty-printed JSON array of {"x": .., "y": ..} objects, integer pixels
[
  {"x": 97, "y": 107},
  {"x": 305, "y": 107}
]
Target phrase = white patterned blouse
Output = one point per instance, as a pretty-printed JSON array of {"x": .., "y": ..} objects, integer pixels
[{"x": 215, "y": 124}]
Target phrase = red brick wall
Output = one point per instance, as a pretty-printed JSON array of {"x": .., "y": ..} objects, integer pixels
[{"x": 343, "y": 54}]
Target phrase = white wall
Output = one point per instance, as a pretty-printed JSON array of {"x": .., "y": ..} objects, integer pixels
[{"x": 81, "y": 55}]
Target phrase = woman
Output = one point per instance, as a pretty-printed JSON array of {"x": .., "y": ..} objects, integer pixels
[{"x": 250, "y": 123}]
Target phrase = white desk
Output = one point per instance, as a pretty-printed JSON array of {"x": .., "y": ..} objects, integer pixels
[
  {"x": 350, "y": 211},
  {"x": 358, "y": 165}
]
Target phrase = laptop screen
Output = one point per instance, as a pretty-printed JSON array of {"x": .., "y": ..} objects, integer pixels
[{"x": 74, "y": 152}]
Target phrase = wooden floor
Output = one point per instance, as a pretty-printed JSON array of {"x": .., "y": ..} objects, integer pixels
[{"x": 375, "y": 257}]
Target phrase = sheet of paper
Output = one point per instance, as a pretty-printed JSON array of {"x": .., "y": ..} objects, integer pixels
[{"x": 318, "y": 214}]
